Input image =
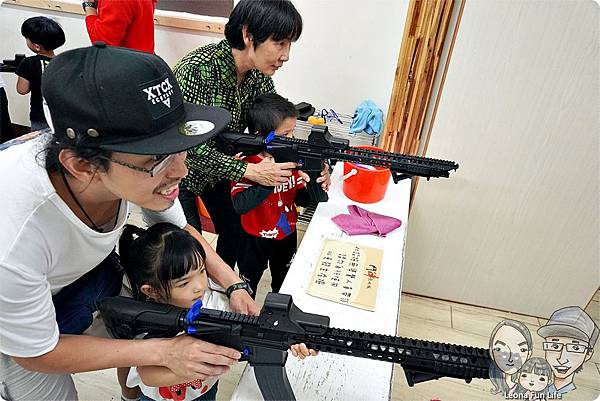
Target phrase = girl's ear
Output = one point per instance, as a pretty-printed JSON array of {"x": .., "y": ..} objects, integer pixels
[{"x": 150, "y": 292}]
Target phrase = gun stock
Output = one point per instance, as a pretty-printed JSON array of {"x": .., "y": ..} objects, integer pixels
[{"x": 264, "y": 340}]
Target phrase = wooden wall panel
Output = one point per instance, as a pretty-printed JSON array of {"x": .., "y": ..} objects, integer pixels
[{"x": 422, "y": 42}]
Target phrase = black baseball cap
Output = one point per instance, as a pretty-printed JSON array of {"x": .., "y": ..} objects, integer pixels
[{"x": 124, "y": 100}]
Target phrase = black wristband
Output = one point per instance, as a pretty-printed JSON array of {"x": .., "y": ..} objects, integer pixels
[
  {"x": 238, "y": 286},
  {"x": 91, "y": 4}
]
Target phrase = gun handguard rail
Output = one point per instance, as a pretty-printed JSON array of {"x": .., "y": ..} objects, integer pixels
[
  {"x": 264, "y": 340},
  {"x": 321, "y": 146}
]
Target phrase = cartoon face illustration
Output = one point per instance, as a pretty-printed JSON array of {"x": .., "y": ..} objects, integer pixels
[
  {"x": 535, "y": 376},
  {"x": 565, "y": 354},
  {"x": 533, "y": 382},
  {"x": 510, "y": 348}
]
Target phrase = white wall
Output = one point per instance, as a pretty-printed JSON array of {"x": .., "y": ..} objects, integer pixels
[
  {"x": 517, "y": 226},
  {"x": 348, "y": 51}
]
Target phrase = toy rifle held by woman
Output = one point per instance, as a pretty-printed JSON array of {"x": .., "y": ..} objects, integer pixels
[{"x": 321, "y": 146}]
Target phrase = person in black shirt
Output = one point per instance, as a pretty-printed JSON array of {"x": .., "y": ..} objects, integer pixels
[{"x": 42, "y": 35}]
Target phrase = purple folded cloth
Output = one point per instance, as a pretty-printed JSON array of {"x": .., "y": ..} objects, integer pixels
[
  {"x": 361, "y": 221},
  {"x": 354, "y": 225}
]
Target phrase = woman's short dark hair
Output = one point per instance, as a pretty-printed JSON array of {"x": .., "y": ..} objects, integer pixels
[
  {"x": 275, "y": 19},
  {"x": 155, "y": 256},
  {"x": 44, "y": 32},
  {"x": 268, "y": 112}
]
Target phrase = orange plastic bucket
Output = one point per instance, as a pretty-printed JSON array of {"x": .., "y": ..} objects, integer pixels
[{"x": 365, "y": 184}]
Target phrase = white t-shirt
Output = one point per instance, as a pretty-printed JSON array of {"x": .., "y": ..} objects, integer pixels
[
  {"x": 44, "y": 246},
  {"x": 184, "y": 391}
]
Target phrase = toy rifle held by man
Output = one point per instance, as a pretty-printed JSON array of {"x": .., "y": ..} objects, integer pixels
[
  {"x": 263, "y": 340},
  {"x": 320, "y": 146}
]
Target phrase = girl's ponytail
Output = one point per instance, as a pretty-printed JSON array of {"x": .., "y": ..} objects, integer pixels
[{"x": 129, "y": 249}]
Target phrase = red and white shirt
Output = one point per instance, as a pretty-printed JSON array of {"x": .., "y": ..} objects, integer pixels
[{"x": 277, "y": 215}]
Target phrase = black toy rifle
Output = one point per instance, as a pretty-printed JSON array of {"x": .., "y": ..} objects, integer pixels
[
  {"x": 322, "y": 146},
  {"x": 264, "y": 340},
  {"x": 11, "y": 65}
]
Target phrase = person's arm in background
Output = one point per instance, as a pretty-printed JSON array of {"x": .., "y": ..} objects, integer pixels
[
  {"x": 109, "y": 22},
  {"x": 23, "y": 86},
  {"x": 24, "y": 76}
]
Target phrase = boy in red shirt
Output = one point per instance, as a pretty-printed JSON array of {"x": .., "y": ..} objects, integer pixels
[
  {"x": 269, "y": 214},
  {"x": 125, "y": 23}
]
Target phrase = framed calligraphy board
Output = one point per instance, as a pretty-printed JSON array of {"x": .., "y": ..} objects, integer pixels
[{"x": 347, "y": 273}]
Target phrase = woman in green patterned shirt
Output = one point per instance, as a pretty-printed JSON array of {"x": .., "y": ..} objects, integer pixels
[{"x": 232, "y": 74}]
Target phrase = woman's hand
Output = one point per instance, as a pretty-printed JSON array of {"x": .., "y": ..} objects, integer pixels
[{"x": 269, "y": 173}]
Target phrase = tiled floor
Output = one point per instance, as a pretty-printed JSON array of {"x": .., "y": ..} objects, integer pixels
[{"x": 420, "y": 317}]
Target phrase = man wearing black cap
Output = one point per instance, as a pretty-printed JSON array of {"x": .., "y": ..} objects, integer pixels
[
  {"x": 569, "y": 339},
  {"x": 121, "y": 130}
]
